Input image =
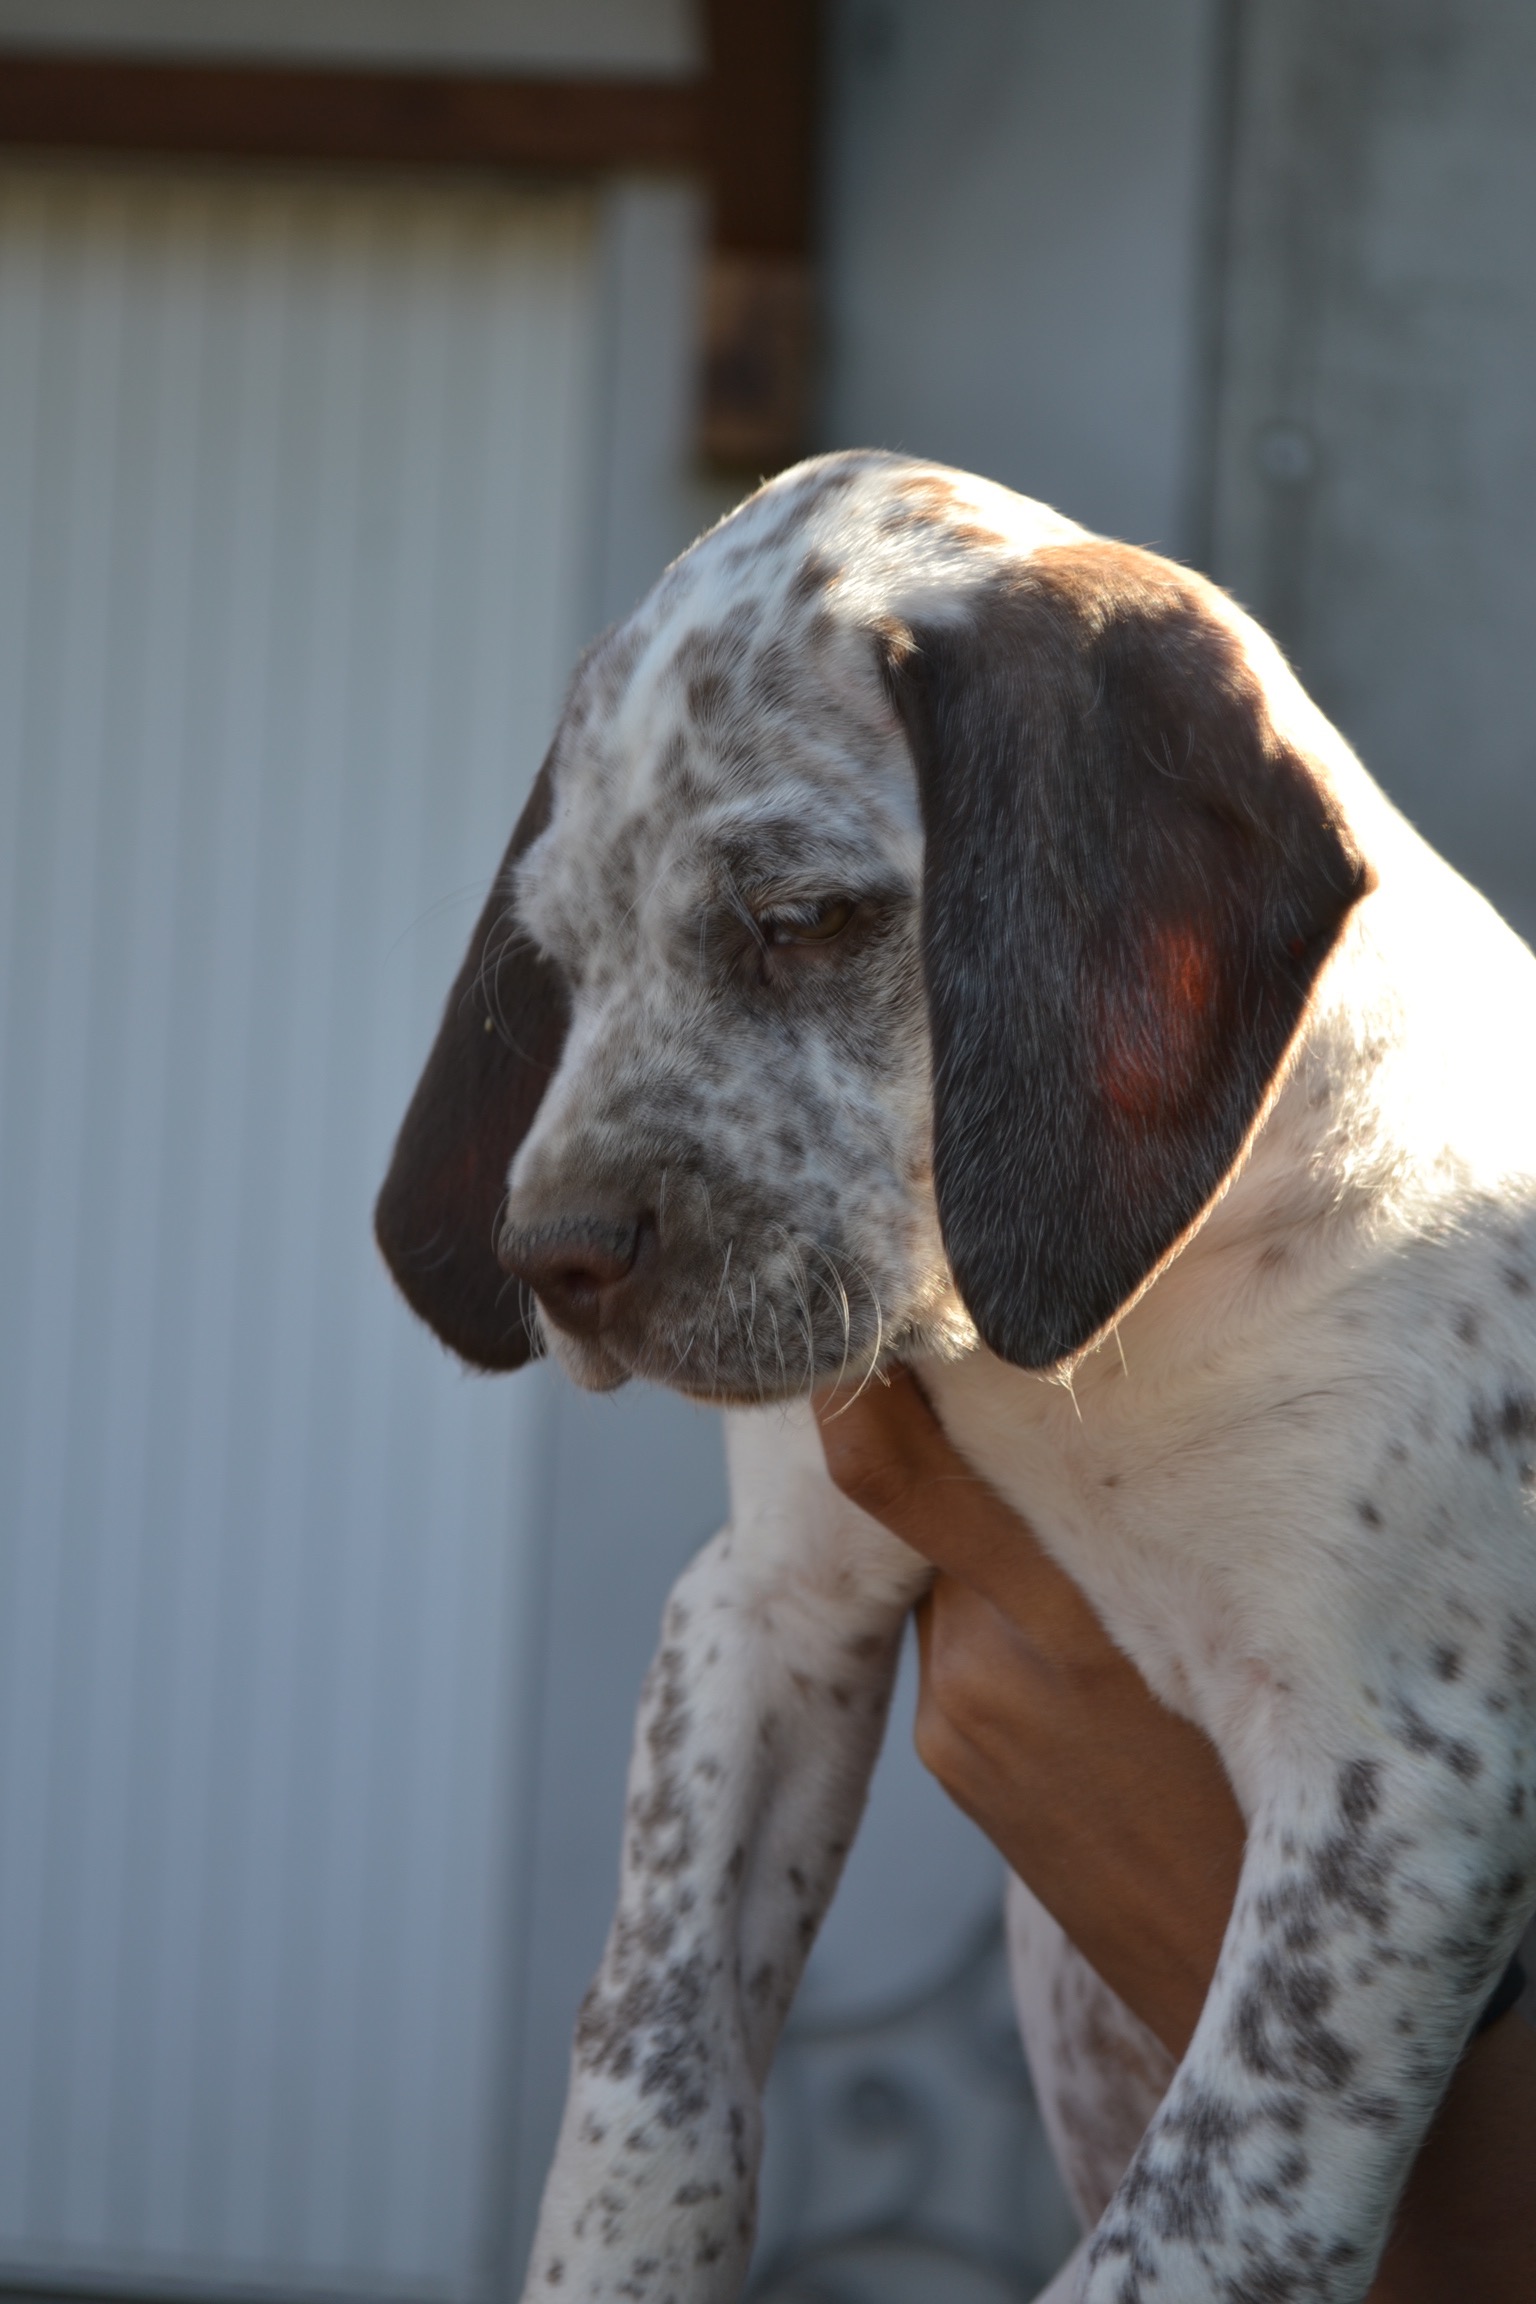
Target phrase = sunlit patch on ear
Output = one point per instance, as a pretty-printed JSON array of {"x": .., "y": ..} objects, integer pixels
[{"x": 1157, "y": 1024}]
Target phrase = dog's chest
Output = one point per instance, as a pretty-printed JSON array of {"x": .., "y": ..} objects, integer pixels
[
  {"x": 1340, "y": 1494},
  {"x": 1155, "y": 1500}
]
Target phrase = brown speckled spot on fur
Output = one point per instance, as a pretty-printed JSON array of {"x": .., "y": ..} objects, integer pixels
[
  {"x": 711, "y": 698},
  {"x": 775, "y": 679},
  {"x": 1112, "y": 2071},
  {"x": 812, "y": 495},
  {"x": 926, "y": 500},
  {"x": 815, "y": 575}
]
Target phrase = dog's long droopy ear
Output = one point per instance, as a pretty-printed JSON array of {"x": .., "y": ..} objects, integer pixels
[
  {"x": 1130, "y": 885},
  {"x": 496, "y": 1049}
]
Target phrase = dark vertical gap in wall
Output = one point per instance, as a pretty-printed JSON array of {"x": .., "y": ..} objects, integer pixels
[{"x": 1223, "y": 94}]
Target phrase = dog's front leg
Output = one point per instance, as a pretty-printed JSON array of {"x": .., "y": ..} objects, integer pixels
[
  {"x": 1380, "y": 1897},
  {"x": 758, "y": 1727}
]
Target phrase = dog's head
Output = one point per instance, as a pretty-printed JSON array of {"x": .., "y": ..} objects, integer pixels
[{"x": 902, "y": 941}]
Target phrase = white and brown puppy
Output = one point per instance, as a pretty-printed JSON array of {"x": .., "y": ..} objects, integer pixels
[{"x": 940, "y": 934}]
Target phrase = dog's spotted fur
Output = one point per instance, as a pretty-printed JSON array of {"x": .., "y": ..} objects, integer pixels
[
  {"x": 1099, "y": 2073},
  {"x": 942, "y": 930}
]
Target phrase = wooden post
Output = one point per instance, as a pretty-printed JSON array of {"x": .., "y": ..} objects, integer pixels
[{"x": 760, "y": 121}]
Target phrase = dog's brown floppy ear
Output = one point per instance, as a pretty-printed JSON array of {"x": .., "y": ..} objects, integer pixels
[
  {"x": 1130, "y": 885},
  {"x": 495, "y": 1051}
]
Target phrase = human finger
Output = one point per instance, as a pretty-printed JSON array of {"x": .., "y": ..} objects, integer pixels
[{"x": 888, "y": 1453}]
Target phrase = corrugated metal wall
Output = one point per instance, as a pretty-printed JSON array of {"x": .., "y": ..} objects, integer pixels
[{"x": 291, "y": 530}]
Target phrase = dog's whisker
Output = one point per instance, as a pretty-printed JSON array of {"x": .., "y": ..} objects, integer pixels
[
  {"x": 680, "y": 1358},
  {"x": 839, "y": 1294},
  {"x": 874, "y": 1356},
  {"x": 722, "y": 1285},
  {"x": 492, "y": 958},
  {"x": 802, "y": 1303},
  {"x": 753, "y": 1355},
  {"x": 778, "y": 1348},
  {"x": 709, "y": 1212},
  {"x": 744, "y": 1338},
  {"x": 871, "y": 1370}
]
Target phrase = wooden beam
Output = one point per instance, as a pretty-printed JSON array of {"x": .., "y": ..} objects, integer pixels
[
  {"x": 760, "y": 123},
  {"x": 759, "y": 299},
  {"x": 394, "y": 119}
]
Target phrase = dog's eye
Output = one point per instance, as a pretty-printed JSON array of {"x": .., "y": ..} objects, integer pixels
[{"x": 816, "y": 924}]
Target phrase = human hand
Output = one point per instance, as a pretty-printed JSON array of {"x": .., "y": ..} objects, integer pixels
[
  {"x": 1118, "y": 1815},
  {"x": 1115, "y": 1812}
]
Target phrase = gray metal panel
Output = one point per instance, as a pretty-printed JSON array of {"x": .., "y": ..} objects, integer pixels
[
  {"x": 1014, "y": 194},
  {"x": 292, "y": 533},
  {"x": 1376, "y": 493}
]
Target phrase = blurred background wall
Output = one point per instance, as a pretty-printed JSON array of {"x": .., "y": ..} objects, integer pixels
[{"x": 317, "y": 1659}]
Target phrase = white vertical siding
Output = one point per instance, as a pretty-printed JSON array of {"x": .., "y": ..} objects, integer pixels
[{"x": 291, "y": 533}]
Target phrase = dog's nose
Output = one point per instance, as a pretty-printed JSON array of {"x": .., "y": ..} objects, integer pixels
[{"x": 574, "y": 1267}]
